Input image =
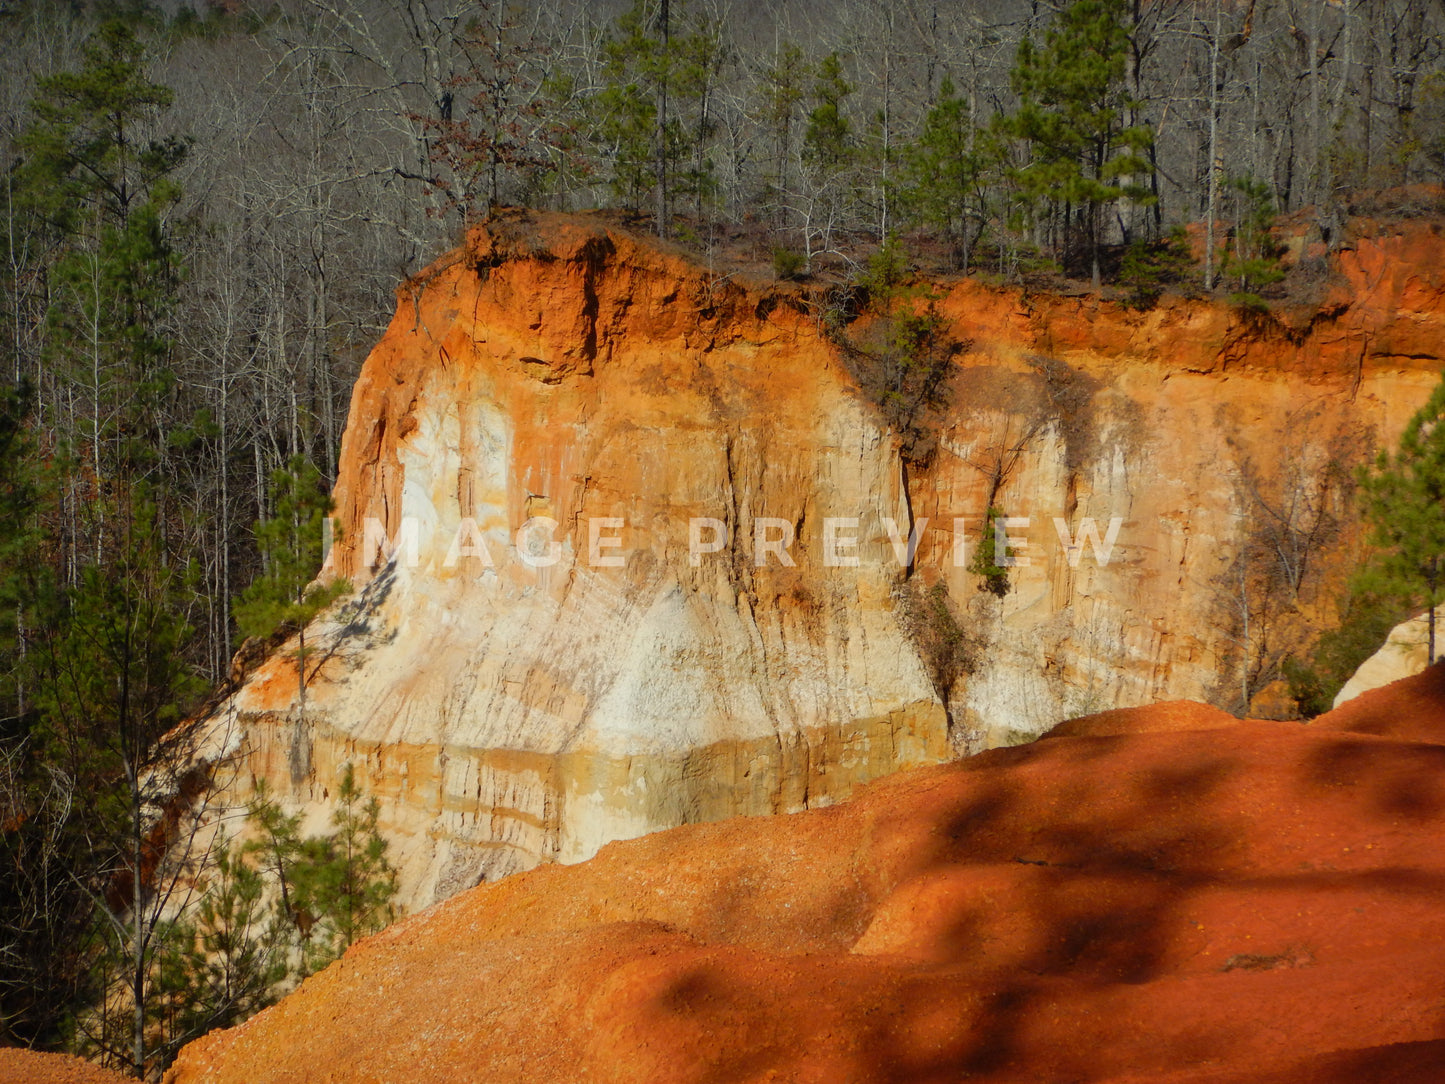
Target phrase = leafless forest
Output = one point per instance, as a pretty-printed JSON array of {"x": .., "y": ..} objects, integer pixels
[{"x": 333, "y": 147}]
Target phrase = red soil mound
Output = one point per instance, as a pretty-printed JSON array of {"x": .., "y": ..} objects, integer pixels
[
  {"x": 1201, "y": 906},
  {"x": 1173, "y": 715},
  {"x": 28, "y": 1067},
  {"x": 1412, "y": 709}
]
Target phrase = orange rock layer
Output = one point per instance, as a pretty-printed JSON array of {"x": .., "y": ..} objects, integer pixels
[{"x": 1167, "y": 904}]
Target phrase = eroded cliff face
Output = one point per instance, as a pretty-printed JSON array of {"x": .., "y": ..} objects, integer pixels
[{"x": 509, "y": 711}]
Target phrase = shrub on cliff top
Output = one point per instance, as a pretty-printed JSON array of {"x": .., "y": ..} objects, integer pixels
[
  {"x": 788, "y": 263},
  {"x": 903, "y": 357},
  {"x": 1252, "y": 257},
  {"x": 1149, "y": 266}
]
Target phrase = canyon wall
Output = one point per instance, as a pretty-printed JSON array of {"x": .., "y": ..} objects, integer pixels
[{"x": 578, "y": 448}]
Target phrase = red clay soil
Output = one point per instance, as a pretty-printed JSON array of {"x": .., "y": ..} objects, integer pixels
[
  {"x": 1171, "y": 715},
  {"x": 28, "y": 1067},
  {"x": 1261, "y": 903},
  {"x": 1410, "y": 710}
]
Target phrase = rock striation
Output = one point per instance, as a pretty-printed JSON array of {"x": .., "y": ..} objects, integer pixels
[
  {"x": 1113, "y": 903},
  {"x": 599, "y": 504}
]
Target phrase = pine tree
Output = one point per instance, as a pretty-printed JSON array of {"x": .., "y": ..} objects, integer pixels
[
  {"x": 784, "y": 90},
  {"x": 344, "y": 881},
  {"x": 45, "y": 913},
  {"x": 276, "y": 845},
  {"x": 653, "y": 113},
  {"x": 111, "y": 684},
  {"x": 829, "y": 156},
  {"x": 98, "y": 174},
  {"x": 1252, "y": 256},
  {"x": 1404, "y": 502},
  {"x": 225, "y": 962},
  {"x": 1072, "y": 109},
  {"x": 285, "y": 596},
  {"x": 826, "y": 143},
  {"x": 945, "y": 175}
]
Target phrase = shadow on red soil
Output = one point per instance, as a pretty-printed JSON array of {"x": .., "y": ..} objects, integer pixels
[{"x": 1164, "y": 896}]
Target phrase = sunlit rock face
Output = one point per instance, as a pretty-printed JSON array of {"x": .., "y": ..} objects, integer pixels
[{"x": 649, "y": 543}]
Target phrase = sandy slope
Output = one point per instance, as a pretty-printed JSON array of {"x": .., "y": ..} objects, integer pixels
[{"x": 28, "y": 1067}]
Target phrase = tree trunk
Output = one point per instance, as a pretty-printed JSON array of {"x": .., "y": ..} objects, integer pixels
[
  {"x": 1316, "y": 178},
  {"x": 138, "y": 1011},
  {"x": 1244, "y": 640},
  {"x": 131, "y": 757},
  {"x": 662, "y": 125},
  {"x": 1431, "y": 599},
  {"x": 883, "y": 222},
  {"x": 1212, "y": 164}
]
